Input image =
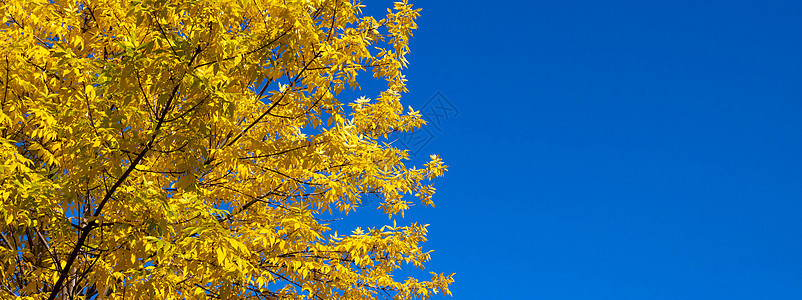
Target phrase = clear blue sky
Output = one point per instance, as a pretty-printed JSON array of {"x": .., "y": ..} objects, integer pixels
[{"x": 614, "y": 149}]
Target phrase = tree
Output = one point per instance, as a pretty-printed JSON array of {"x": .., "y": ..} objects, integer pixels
[{"x": 161, "y": 149}]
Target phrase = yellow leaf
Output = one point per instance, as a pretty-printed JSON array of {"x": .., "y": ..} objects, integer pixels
[{"x": 221, "y": 256}]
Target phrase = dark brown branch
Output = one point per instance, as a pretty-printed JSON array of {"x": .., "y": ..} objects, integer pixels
[
  {"x": 93, "y": 224},
  {"x": 188, "y": 111},
  {"x": 283, "y": 151},
  {"x": 269, "y": 109},
  {"x": 246, "y": 53},
  {"x": 156, "y": 20}
]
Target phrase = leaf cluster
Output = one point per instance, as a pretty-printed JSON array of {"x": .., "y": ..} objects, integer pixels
[{"x": 164, "y": 149}]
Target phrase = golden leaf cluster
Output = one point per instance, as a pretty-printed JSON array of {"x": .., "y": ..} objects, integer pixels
[{"x": 191, "y": 149}]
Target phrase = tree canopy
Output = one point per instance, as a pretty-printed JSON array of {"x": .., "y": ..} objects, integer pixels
[{"x": 196, "y": 149}]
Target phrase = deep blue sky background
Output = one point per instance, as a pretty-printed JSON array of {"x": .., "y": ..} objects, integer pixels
[{"x": 613, "y": 149}]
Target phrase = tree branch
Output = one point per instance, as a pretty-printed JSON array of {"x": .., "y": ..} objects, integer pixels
[{"x": 93, "y": 224}]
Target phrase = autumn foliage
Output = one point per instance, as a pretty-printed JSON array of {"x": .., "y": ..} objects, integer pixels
[{"x": 179, "y": 149}]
